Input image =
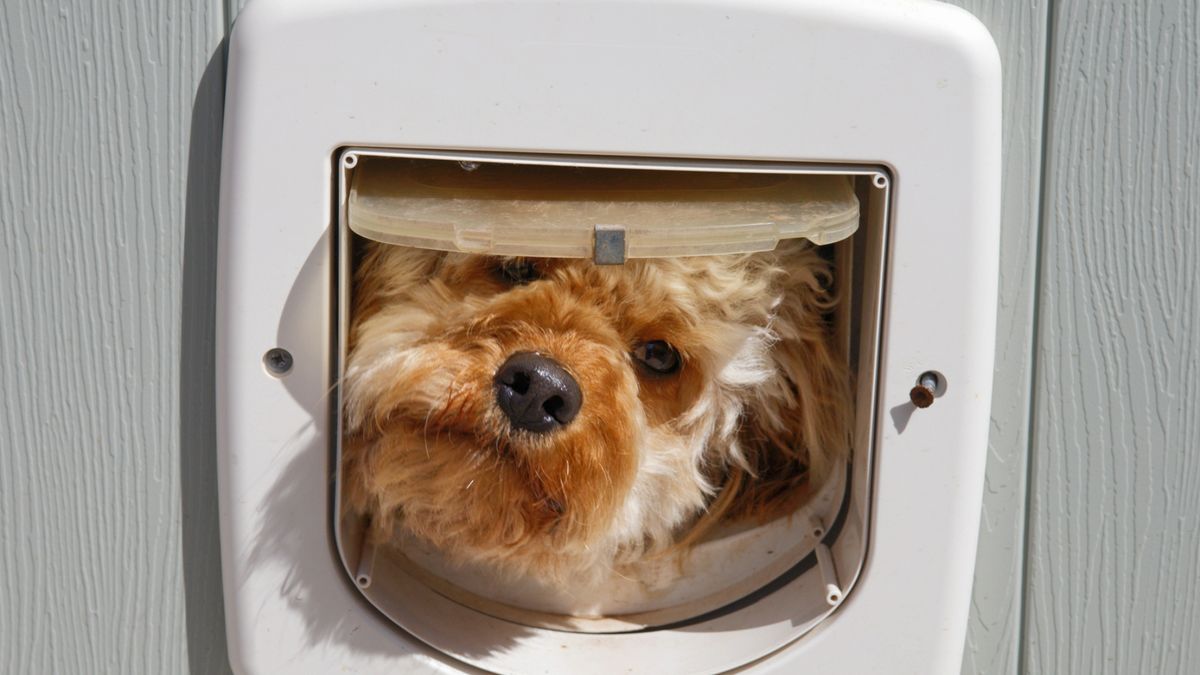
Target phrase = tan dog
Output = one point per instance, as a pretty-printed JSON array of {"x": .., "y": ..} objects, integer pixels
[{"x": 559, "y": 418}]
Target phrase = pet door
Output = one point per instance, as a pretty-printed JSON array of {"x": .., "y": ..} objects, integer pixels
[
  {"x": 787, "y": 574},
  {"x": 587, "y": 136}
]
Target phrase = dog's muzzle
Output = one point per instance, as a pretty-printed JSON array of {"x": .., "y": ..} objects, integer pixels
[{"x": 536, "y": 393}]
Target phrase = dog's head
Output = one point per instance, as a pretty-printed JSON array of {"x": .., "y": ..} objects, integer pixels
[{"x": 554, "y": 415}]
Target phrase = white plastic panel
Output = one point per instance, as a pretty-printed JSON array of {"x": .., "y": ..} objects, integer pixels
[{"x": 910, "y": 85}]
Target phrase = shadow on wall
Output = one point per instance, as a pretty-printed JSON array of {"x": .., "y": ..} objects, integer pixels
[{"x": 205, "y": 610}]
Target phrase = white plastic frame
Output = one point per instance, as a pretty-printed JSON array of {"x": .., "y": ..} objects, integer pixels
[{"x": 910, "y": 85}]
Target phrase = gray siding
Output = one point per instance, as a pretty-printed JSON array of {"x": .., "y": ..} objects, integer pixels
[
  {"x": 109, "y": 141},
  {"x": 1114, "y": 539},
  {"x": 96, "y": 105}
]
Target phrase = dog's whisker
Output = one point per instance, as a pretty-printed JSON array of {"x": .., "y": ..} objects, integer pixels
[
  {"x": 607, "y": 477},
  {"x": 425, "y": 433},
  {"x": 613, "y": 570}
]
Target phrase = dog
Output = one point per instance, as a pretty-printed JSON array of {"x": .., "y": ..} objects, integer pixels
[{"x": 558, "y": 418}]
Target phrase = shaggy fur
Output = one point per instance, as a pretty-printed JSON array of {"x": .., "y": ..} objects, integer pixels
[{"x": 748, "y": 427}]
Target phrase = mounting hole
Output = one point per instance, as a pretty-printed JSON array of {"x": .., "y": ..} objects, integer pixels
[
  {"x": 818, "y": 532},
  {"x": 364, "y": 581},
  {"x": 350, "y": 160},
  {"x": 833, "y": 598},
  {"x": 939, "y": 381},
  {"x": 278, "y": 361},
  {"x": 879, "y": 180}
]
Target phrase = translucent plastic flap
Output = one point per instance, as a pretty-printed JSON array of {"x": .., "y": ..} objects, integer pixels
[{"x": 556, "y": 211}]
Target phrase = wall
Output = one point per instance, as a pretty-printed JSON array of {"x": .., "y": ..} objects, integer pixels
[
  {"x": 1114, "y": 510},
  {"x": 108, "y": 541},
  {"x": 109, "y": 131}
]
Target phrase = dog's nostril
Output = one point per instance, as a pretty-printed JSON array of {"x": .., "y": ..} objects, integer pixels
[
  {"x": 536, "y": 393},
  {"x": 520, "y": 383},
  {"x": 553, "y": 406}
]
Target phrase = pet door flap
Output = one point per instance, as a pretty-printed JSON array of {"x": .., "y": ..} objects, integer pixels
[{"x": 554, "y": 211}]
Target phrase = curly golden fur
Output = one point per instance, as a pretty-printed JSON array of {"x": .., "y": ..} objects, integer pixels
[{"x": 752, "y": 421}]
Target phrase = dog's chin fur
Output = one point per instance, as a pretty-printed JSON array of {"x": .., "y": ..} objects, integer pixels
[{"x": 749, "y": 426}]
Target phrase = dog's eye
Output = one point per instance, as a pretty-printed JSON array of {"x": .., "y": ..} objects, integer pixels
[
  {"x": 518, "y": 272},
  {"x": 658, "y": 356}
]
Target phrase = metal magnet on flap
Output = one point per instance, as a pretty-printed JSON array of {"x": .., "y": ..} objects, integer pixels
[{"x": 609, "y": 248}]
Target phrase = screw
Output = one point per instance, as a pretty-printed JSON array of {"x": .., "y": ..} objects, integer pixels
[
  {"x": 927, "y": 386},
  {"x": 278, "y": 361},
  {"x": 469, "y": 166}
]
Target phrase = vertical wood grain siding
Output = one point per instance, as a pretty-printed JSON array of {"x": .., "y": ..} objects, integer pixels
[
  {"x": 1113, "y": 583},
  {"x": 95, "y": 113}
]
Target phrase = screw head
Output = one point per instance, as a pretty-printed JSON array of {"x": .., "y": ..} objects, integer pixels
[
  {"x": 278, "y": 361},
  {"x": 920, "y": 396},
  {"x": 923, "y": 394}
]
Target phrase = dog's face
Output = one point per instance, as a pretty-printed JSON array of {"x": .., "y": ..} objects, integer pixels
[{"x": 554, "y": 416}]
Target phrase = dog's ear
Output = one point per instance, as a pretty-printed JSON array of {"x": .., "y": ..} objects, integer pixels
[
  {"x": 797, "y": 424},
  {"x": 385, "y": 273}
]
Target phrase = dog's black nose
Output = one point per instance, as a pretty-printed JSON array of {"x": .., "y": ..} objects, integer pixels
[{"x": 536, "y": 393}]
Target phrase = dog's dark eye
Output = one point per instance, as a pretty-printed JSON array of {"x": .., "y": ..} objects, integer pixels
[
  {"x": 658, "y": 356},
  {"x": 518, "y": 272}
]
